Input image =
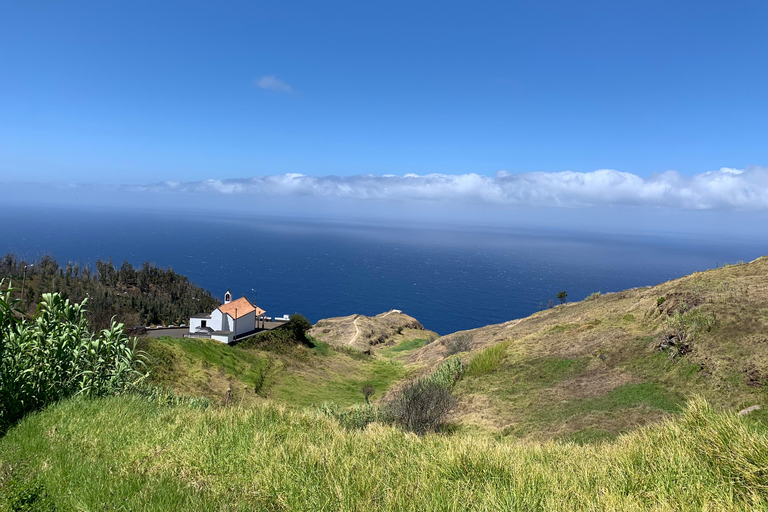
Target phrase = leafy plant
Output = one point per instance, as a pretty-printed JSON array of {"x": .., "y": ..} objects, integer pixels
[
  {"x": 562, "y": 296},
  {"x": 54, "y": 355}
]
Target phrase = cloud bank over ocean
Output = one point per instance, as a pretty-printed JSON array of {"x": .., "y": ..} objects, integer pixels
[{"x": 739, "y": 189}]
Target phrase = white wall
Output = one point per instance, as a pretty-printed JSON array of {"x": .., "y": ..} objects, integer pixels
[
  {"x": 246, "y": 323},
  {"x": 194, "y": 323},
  {"x": 224, "y": 338}
]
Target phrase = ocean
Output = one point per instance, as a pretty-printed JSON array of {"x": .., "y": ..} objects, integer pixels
[{"x": 450, "y": 278}]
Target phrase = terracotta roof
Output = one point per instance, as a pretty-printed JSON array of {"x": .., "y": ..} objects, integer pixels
[{"x": 243, "y": 307}]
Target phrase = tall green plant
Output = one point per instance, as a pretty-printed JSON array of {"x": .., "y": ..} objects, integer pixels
[{"x": 54, "y": 355}]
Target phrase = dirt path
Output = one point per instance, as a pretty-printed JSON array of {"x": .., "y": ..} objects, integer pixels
[{"x": 357, "y": 331}]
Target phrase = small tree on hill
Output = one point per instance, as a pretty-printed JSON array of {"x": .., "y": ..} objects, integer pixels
[
  {"x": 563, "y": 296},
  {"x": 368, "y": 391},
  {"x": 299, "y": 325}
]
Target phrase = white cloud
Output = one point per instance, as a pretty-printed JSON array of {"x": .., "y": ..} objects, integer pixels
[
  {"x": 722, "y": 189},
  {"x": 272, "y": 83}
]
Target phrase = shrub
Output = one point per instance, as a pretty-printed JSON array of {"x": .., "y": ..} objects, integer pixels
[
  {"x": 660, "y": 301},
  {"x": 299, "y": 325},
  {"x": 593, "y": 296},
  {"x": 54, "y": 355},
  {"x": 420, "y": 406},
  {"x": 460, "y": 342},
  {"x": 355, "y": 417},
  {"x": 563, "y": 296},
  {"x": 448, "y": 373}
]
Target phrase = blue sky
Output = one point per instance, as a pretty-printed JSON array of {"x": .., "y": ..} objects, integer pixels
[{"x": 143, "y": 92}]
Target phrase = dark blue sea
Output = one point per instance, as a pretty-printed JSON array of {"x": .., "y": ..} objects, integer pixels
[{"x": 449, "y": 278}]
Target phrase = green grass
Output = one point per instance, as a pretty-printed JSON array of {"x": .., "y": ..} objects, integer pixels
[
  {"x": 626, "y": 396},
  {"x": 407, "y": 345},
  {"x": 518, "y": 377},
  {"x": 123, "y": 453},
  {"x": 294, "y": 374},
  {"x": 200, "y": 366},
  {"x": 487, "y": 361},
  {"x": 588, "y": 436},
  {"x": 338, "y": 383}
]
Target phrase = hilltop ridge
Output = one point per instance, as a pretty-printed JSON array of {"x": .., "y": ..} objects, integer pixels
[
  {"x": 618, "y": 360},
  {"x": 363, "y": 332}
]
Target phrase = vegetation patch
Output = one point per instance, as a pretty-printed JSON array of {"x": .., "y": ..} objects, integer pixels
[
  {"x": 339, "y": 380},
  {"x": 267, "y": 458},
  {"x": 588, "y": 436},
  {"x": 134, "y": 296},
  {"x": 193, "y": 366},
  {"x": 487, "y": 361},
  {"x": 407, "y": 345},
  {"x": 563, "y": 328},
  {"x": 55, "y": 355},
  {"x": 626, "y": 396}
]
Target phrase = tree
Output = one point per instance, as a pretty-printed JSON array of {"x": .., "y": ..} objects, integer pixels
[
  {"x": 299, "y": 325},
  {"x": 368, "y": 391},
  {"x": 563, "y": 295}
]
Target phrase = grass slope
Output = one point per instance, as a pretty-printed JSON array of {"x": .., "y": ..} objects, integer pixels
[
  {"x": 593, "y": 369},
  {"x": 294, "y": 375},
  {"x": 125, "y": 453}
]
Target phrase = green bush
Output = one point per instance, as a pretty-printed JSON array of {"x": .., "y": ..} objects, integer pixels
[
  {"x": 299, "y": 325},
  {"x": 448, "y": 373},
  {"x": 54, "y": 355},
  {"x": 356, "y": 417},
  {"x": 593, "y": 296}
]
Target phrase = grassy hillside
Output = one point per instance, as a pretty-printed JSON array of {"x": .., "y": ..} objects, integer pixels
[
  {"x": 584, "y": 371},
  {"x": 590, "y": 370},
  {"x": 294, "y": 375},
  {"x": 125, "y": 453}
]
